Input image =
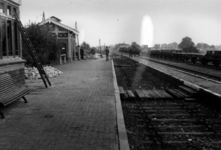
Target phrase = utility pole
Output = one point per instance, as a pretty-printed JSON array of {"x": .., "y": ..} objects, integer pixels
[
  {"x": 100, "y": 45},
  {"x": 78, "y": 48}
]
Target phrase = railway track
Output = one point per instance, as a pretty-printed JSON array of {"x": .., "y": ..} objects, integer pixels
[{"x": 167, "y": 118}]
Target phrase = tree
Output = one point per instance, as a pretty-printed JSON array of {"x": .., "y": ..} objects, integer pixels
[
  {"x": 85, "y": 45},
  {"x": 96, "y": 49},
  {"x": 199, "y": 45},
  {"x": 117, "y": 46},
  {"x": 186, "y": 44},
  {"x": 205, "y": 46},
  {"x": 44, "y": 43},
  {"x": 212, "y": 47},
  {"x": 157, "y": 46},
  {"x": 164, "y": 46},
  {"x": 218, "y": 47},
  {"x": 174, "y": 45},
  {"x": 135, "y": 46}
]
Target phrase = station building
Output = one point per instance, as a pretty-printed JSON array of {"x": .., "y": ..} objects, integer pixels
[
  {"x": 66, "y": 37},
  {"x": 12, "y": 77}
]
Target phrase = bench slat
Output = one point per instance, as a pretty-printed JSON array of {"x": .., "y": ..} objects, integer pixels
[{"x": 7, "y": 100}]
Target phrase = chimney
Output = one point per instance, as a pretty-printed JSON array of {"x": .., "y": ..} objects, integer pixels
[
  {"x": 43, "y": 17},
  {"x": 76, "y": 26}
]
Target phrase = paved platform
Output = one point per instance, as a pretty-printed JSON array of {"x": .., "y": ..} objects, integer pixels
[{"x": 78, "y": 112}]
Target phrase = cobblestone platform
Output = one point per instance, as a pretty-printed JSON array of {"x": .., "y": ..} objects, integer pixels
[{"x": 77, "y": 112}]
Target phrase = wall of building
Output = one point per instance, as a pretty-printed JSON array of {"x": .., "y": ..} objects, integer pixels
[
  {"x": 10, "y": 46},
  {"x": 12, "y": 77}
]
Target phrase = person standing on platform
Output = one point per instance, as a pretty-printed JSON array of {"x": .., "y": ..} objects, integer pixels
[
  {"x": 82, "y": 52},
  {"x": 107, "y": 51},
  {"x": 77, "y": 54},
  {"x": 93, "y": 53}
]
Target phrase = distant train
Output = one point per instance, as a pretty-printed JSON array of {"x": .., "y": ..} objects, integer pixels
[
  {"x": 211, "y": 56},
  {"x": 127, "y": 50}
]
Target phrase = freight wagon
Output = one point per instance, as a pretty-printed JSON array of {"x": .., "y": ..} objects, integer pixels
[
  {"x": 211, "y": 56},
  {"x": 127, "y": 50}
]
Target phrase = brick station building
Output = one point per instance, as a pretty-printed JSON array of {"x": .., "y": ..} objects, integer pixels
[
  {"x": 12, "y": 78},
  {"x": 66, "y": 36}
]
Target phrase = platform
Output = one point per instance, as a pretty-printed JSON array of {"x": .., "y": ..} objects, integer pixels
[{"x": 78, "y": 112}]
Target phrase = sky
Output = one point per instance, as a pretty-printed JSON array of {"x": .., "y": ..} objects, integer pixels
[{"x": 126, "y": 21}]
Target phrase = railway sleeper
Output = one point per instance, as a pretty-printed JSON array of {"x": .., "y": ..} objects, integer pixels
[
  {"x": 178, "y": 93},
  {"x": 186, "y": 133},
  {"x": 130, "y": 94},
  {"x": 175, "y": 120},
  {"x": 165, "y": 111},
  {"x": 187, "y": 142},
  {"x": 164, "y": 108},
  {"x": 175, "y": 115},
  {"x": 181, "y": 126},
  {"x": 188, "y": 90},
  {"x": 152, "y": 94},
  {"x": 184, "y": 128}
]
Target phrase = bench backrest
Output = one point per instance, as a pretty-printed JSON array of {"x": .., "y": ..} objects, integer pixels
[{"x": 7, "y": 85}]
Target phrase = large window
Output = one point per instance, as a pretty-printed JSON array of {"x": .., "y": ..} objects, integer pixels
[
  {"x": 3, "y": 49},
  {"x": 2, "y": 6},
  {"x": 9, "y": 35},
  {"x": 9, "y": 11},
  {"x": 14, "y": 11},
  {"x": 16, "y": 39}
]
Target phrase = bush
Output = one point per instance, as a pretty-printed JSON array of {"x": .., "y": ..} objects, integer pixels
[{"x": 44, "y": 43}]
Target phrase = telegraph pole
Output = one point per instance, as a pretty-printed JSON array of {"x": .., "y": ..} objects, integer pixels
[
  {"x": 100, "y": 45},
  {"x": 78, "y": 48}
]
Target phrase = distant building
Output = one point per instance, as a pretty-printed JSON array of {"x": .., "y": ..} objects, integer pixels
[{"x": 66, "y": 36}]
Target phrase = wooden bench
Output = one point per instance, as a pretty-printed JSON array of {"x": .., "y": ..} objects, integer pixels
[{"x": 9, "y": 92}]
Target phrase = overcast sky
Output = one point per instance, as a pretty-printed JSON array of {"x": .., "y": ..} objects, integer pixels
[{"x": 117, "y": 21}]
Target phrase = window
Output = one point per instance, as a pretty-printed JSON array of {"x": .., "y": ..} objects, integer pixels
[
  {"x": 9, "y": 10},
  {"x": 9, "y": 35},
  {"x": 16, "y": 39},
  {"x": 14, "y": 11},
  {"x": 2, "y": 8},
  {"x": 3, "y": 48}
]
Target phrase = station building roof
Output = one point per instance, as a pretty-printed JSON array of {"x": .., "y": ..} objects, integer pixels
[
  {"x": 16, "y": 1},
  {"x": 56, "y": 21}
]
